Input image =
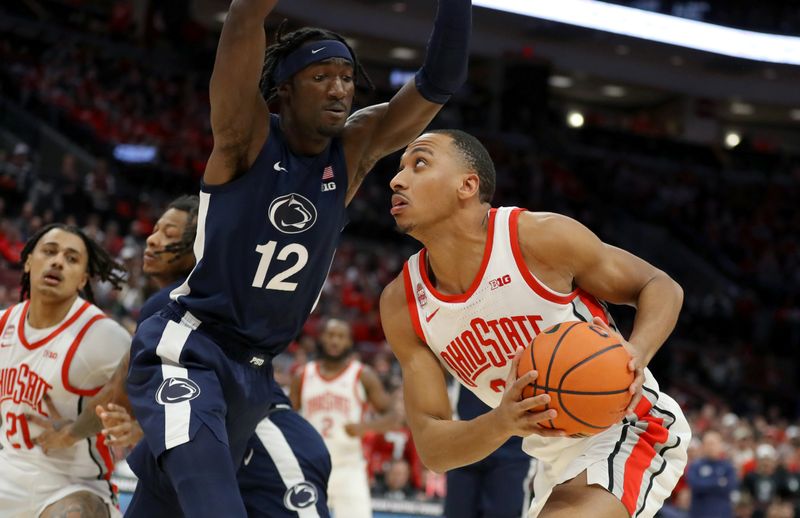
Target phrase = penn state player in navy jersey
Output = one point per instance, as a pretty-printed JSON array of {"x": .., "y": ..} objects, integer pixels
[
  {"x": 266, "y": 489},
  {"x": 495, "y": 487},
  {"x": 272, "y": 206}
]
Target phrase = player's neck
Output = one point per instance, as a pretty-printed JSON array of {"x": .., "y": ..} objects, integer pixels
[
  {"x": 329, "y": 367},
  {"x": 162, "y": 281},
  {"x": 455, "y": 251},
  {"x": 304, "y": 143},
  {"x": 43, "y": 313}
]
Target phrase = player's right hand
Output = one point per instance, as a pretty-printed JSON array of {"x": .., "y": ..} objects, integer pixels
[
  {"x": 514, "y": 414},
  {"x": 119, "y": 428}
]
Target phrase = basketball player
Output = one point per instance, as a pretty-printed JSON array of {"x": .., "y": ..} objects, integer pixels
[
  {"x": 56, "y": 349},
  {"x": 486, "y": 283},
  {"x": 332, "y": 392},
  {"x": 287, "y": 455},
  {"x": 272, "y": 205},
  {"x": 495, "y": 487}
]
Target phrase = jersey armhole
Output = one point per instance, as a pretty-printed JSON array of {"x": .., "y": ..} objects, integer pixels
[
  {"x": 4, "y": 318},
  {"x": 71, "y": 354},
  {"x": 534, "y": 283},
  {"x": 411, "y": 304}
]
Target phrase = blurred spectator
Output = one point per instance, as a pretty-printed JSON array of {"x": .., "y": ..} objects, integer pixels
[
  {"x": 712, "y": 480},
  {"x": 396, "y": 484}
]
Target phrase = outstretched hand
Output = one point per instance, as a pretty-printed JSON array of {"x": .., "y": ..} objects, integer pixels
[
  {"x": 56, "y": 430},
  {"x": 514, "y": 414},
  {"x": 634, "y": 365},
  {"x": 119, "y": 428}
]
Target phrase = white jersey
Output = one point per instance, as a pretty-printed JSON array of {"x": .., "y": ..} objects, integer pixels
[
  {"x": 68, "y": 362},
  {"x": 475, "y": 334},
  {"x": 329, "y": 404}
]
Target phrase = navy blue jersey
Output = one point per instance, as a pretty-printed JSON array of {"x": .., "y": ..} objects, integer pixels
[{"x": 265, "y": 242}]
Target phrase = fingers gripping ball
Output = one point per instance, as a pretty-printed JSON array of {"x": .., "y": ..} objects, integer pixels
[{"x": 585, "y": 372}]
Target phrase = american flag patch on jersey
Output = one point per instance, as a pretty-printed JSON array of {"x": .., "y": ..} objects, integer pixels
[{"x": 327, "y": 174}]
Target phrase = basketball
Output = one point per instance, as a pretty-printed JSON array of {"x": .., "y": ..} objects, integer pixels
[{"x": 584, "y": 369}]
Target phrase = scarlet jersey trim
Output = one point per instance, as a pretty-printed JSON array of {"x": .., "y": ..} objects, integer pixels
[
  {"x": 541, "y": 290},
  {"x": 66, "y": 324},
  {"x": 4, "y": 318},
  {"x": 640, "y": 459},
  {"x": 487, "y": 254},
  {"x": 412, "y": 304},
  {"x": 105, "y": 453},
  {"x": 336, "y": 376},
  {"x": 71, "y": 353},
  {"x": 591, "y": 303},
  {"x": 360, "y": 383}
]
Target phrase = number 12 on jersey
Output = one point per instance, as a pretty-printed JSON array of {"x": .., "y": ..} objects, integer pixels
[{"x": 279, "y": 281}]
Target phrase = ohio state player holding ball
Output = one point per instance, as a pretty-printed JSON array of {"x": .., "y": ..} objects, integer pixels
[
  {"x": 56, "y": 348},
  {"x": 487, "y": 282}
]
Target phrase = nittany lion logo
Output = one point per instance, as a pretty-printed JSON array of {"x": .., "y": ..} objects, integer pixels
[
  {"x": 177, "y": 390},
  {"x": 300, "y": 496},
  {"x": 292, "y": 213}
]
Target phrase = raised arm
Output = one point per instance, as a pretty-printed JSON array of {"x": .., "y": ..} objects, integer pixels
[
  {"x": 239, "y": 114},
  {"x": 443, "y": 443},
  {"x": 295, "y": 390},
  {"x": 376, "y": 131}
]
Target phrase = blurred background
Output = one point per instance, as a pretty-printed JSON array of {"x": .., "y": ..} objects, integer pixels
[{"x": 686, "y": 157}]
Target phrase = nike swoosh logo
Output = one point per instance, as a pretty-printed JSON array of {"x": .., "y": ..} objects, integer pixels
[
  {"x": 318, "y": 50},
  {"x": 430, "y": 317},
  {"x": 249, "y": 456},
  {"x": 278, "y": 167}
]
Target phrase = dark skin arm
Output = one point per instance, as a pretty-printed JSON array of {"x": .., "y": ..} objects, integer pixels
[
  {"x": 295, "y": 389},
  {"x": 381, "y": 402},
  {"x": 443, "y": 443},
  {"x": 565, "y": 254},
  {"x": 379, "y": 130},
  {"x": 239, "y": 114}
]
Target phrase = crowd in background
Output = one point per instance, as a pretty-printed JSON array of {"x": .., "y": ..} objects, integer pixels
[{"x": 731, "y": 363}]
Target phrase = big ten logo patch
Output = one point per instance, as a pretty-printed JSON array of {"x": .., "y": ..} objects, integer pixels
[{"x": 500, "y": 282}]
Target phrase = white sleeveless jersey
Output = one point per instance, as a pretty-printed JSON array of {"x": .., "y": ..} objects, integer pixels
[
  {"x": 31, "y": 370},
  {"x": 330, "y": 403},
  {"x": 474, "y": 335}
]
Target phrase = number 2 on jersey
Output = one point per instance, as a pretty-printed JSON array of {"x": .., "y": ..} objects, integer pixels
[
  {"x": 279, "y": 280},
  {"x": 17, "y": 424}
]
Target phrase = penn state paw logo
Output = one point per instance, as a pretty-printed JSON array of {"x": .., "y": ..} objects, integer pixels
[
  {"x": 292, "y": 213},
  {"x": 176, "y": 390},
  {"x": 300, "y": 496}
]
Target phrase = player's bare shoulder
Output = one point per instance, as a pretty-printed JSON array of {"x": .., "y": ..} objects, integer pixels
[{"x": 395, "y": 317}]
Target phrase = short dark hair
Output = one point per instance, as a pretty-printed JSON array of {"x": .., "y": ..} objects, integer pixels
[
  {"x": 476, "y": 158},
  {"x": 190, "y": 204},
  {"x": 99, "y": 265},
  {"x": 286, "y": 43}
]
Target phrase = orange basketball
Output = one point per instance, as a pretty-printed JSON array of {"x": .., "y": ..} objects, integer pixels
[{"x": 585, "y": 371}]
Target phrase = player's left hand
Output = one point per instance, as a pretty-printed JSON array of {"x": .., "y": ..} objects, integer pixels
[
  {"x": 56, "y": 430},
  {"x": 635, "y": 366},
  {"x": 119, "y": 428}
]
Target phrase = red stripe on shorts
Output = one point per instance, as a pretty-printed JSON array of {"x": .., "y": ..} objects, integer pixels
[{"x": 640, "y": 459}]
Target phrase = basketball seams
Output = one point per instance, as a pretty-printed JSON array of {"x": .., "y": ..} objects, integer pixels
[
  {"x": 550, "y": 365},
  {"x": 575, "y": 366}
]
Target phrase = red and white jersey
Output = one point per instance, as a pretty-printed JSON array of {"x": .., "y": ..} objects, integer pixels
[
  {"x": 330, "y": 403},
  {"x": 475, "y": 334},
  {"x": 67, "y": 362}
]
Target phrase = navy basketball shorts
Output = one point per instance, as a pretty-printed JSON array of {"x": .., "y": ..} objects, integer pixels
[
  {"x": 285, "y": 470},
  {"x": 496, "y": 487},
  {"x": 180, "y": 379}
]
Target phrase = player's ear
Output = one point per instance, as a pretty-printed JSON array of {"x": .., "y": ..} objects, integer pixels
[
  {"x": 83, "y": 282},
  {"x": 470, "y": 186},
  {"x": 283, "y": 90},
  {"x": 27, "y": 266}
]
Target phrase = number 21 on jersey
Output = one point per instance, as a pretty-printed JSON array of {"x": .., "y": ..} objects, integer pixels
[{"x": 279, "y": 281}]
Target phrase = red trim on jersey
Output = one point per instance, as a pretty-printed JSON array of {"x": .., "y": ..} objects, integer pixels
[
  {"x": 4, "y": 318},
  {"x": 105, "y": 453},
  {"x": 532, "y": 281},
  {"x": 71, "y": 353},
  {"x": 487, "y": 254},
  {"x": 63, "y": 326},
  {"x": 412, "y": 303},
  {"x": 335, "y": 376},
  {"x": 640, "y": 459},
  {"x": 594, "y": 306}
]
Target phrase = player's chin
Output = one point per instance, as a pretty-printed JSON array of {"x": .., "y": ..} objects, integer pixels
[{"x": 331, "y": 130}]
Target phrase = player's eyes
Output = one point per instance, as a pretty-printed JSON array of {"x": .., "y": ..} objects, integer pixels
[
  {"x": 319, "y": 77},
  {"x": 347, "y": 79},
  {"x": 419, "y": 161}
]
